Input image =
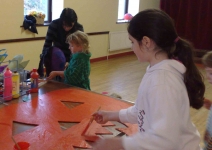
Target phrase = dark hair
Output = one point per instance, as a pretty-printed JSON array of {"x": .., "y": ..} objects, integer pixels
[
  {"x": 207, "y": 59},
  {"x": 159, "y": 27},
  {"x": 68, "y": 17}
]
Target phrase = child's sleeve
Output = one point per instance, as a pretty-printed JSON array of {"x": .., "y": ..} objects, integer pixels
[
  {"x": 209, "y": 145},
  {"x": 208, "y": 136},
  {"x": 166, "y": 119},
  {"x": 128, "y": 115},
  {"x": 74, "y": 71}
]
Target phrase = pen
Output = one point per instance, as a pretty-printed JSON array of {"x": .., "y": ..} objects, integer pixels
[{"x": 89, "y": 123}]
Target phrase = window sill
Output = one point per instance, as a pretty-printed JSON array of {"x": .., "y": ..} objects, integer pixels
[
  {"x": 40, "y": 25},
  {"x": 122, "y": 21}
]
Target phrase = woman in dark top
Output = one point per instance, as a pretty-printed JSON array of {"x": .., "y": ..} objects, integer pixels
[{"x": 57, "y": 33}]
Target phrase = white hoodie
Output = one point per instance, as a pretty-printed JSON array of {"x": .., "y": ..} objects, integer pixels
[{"x": 161, "y": 111}]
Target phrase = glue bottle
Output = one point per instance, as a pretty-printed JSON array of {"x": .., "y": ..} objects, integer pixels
[
  {"x": 34, "y": 81},
  {"x": 7, "y": 94},
  {"x": 16, "y": 84}
]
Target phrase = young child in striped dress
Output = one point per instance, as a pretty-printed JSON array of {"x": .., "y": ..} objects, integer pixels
[
  {"x": 207, "y": 61},
  {"x": 78, "y": 71}
]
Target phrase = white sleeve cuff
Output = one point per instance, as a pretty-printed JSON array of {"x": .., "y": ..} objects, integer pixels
[{"x": 122, "y": 115}]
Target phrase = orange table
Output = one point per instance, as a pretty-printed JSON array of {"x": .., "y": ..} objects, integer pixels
[{"x": 55, "y": 117}]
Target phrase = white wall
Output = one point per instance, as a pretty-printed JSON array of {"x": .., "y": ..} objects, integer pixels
[{"x": 95, "y": 15}]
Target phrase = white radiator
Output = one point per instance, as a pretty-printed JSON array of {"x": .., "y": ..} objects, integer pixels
[{"x": 119, "y": 40}]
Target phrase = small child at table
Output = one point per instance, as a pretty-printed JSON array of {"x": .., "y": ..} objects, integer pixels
[
  {"x": 207, "y": 61},
  {"x": 78, "y": 71}
]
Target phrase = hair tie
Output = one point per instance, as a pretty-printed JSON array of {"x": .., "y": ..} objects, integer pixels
[{"x": 177, "y": 39}]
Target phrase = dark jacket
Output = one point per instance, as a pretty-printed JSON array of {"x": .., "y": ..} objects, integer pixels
[{"x": 30, "y": 23}]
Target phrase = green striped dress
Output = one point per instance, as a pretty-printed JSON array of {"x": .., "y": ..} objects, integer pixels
[{"x": 78, "y": 71}]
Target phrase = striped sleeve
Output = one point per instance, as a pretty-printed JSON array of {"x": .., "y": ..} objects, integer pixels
[
  {"x": 209, "y": 146},
  {"x": 208, "y": 134},
  {"x": 50, "y": 36}
]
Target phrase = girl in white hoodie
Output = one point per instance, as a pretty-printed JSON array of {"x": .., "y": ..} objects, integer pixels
[{"x": 171, "y": 84}]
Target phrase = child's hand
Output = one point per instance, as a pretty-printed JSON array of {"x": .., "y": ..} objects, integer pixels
[
  {"x": 101, "y": 117},
  {"x": 66, "y": 65},
  {"x": 52, "y": 75},
  {"x": 207, "y": 104}
]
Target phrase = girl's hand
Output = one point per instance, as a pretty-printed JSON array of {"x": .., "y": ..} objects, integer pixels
[
  {"x": 52, "y": 75},
  {"x": 66, "y": 65},
  {"x": 104, "y": 116},
  {"x": 207, "y": 104},
  {"x": 108, "y": 144},
  {"x": 101, "y": 117}
]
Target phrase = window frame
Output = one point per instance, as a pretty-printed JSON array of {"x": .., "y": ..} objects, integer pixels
[
  {"x": 126, "y": 8},
  {"x": 49, "y": 11},
  {"x": 119, "y": 21}
]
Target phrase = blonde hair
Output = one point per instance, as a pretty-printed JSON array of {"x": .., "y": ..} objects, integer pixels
[
  {"x": 79, "y": 38},
  {"x": 207, "y": 59}
]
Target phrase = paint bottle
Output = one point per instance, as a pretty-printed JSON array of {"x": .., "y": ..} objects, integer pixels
[
  {"x": 16, "y": 84},
  {"x": 34, "y": 81},
  {"x": 7, "y": 93}
]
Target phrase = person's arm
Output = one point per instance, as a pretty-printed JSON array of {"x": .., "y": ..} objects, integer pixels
[
  {"x": 209, "y": 144},
  {"x": 163, "y": 115},
  {"x": 79, "y": 27},
  {"x": 51, "y": 32},
  {"x": 104, "y": 116},
  {"x": 165, "y": 119},
  {"x": 66, "y": 65},
  {"x": 50, "y": 35},
  {"x": 129, "y": 115},
  {"x": 54, "y": 74},
  {"x": 207, "y": 104},
  {"x": 47, "y": 45}
]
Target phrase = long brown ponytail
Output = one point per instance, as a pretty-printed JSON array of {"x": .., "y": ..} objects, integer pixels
[
  {"x": 158, "y": 26},
  {"x": 192, "y": 77}
]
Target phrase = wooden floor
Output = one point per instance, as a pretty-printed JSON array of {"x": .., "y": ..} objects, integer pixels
[{"x": 122, "y": 75}]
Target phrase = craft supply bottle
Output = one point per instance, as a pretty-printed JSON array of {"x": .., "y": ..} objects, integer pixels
[
  {"x": 7, "y": 93},
  {"x": 16, "y": 84},
  {"x": 34, "y": 81}
]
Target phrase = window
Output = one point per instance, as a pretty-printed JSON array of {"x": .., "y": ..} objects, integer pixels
[
  {"x": 51, "y": 8},
  {"x": 127, "y": 6}
]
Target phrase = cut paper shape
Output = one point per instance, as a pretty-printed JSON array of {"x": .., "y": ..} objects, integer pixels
[
  {"x": 71, "y": 105},
  {"x": 66, "y": 125},
  {"x": 108, "y": 124},
  {"x": 21, "y": 126},
  {"x": 129, "y": 130}
]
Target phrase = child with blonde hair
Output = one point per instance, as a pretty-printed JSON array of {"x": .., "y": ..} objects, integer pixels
[
  {"x": 207, "y": 61},
  {"x": 78, "y": 71}
]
